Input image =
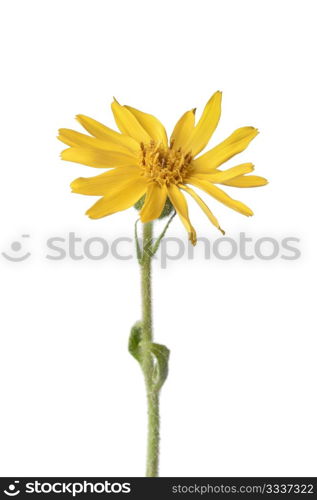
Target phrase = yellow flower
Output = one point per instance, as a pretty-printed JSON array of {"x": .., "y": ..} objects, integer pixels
[{"x": 144, "y": 164}]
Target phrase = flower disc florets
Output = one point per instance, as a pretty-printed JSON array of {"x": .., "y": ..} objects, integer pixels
[{"x": 164, "y": 165}]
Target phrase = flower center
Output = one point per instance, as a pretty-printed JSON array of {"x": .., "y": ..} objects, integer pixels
[{"x": 164, "y": 165}]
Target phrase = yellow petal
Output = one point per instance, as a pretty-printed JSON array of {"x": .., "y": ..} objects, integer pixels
[
  {"x": 246, "y": 181},
  {"x": 151, "y": 125},
  {"x": 183, "y": 129},
  {"x": 98, "y": 158},
  {"x": 119, "y": 198},
  {"x": 102, "y": 132},
  {"x": 206, "y": 125},
  {"x": 154, "y": 202},
  {"x": 76, "y": 139},
  {"x": 180, "y": 204},
  {"x": 236, "y": 143},
  {"x": 220, "y": 195},
  {"x": 220, "y": 176},
  {"x": 100, "y": 184},
  {"x": 128, "y": 124},
  {"x": 203, "y": 206}
]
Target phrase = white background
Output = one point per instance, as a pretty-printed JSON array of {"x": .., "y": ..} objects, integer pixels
[{"x": 241, "y": 394}]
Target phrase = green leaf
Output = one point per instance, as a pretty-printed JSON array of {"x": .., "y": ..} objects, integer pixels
[
  {"x": 134, "y": 341},
  {"x": 137, "y": 244},
  {"x": 160, "y": 355},
  {"x": 159, "y": 239},
  {"x": 160, "y": 371}
]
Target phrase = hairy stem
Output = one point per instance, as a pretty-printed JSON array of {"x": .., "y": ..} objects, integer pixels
[{"x": 146, "y": 356}]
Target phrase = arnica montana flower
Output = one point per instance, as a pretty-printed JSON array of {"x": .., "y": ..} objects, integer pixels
[{"x": 145, "y": 166}]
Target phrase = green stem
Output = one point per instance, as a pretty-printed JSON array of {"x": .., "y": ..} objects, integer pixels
[{"x": 146, "y": 356}]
